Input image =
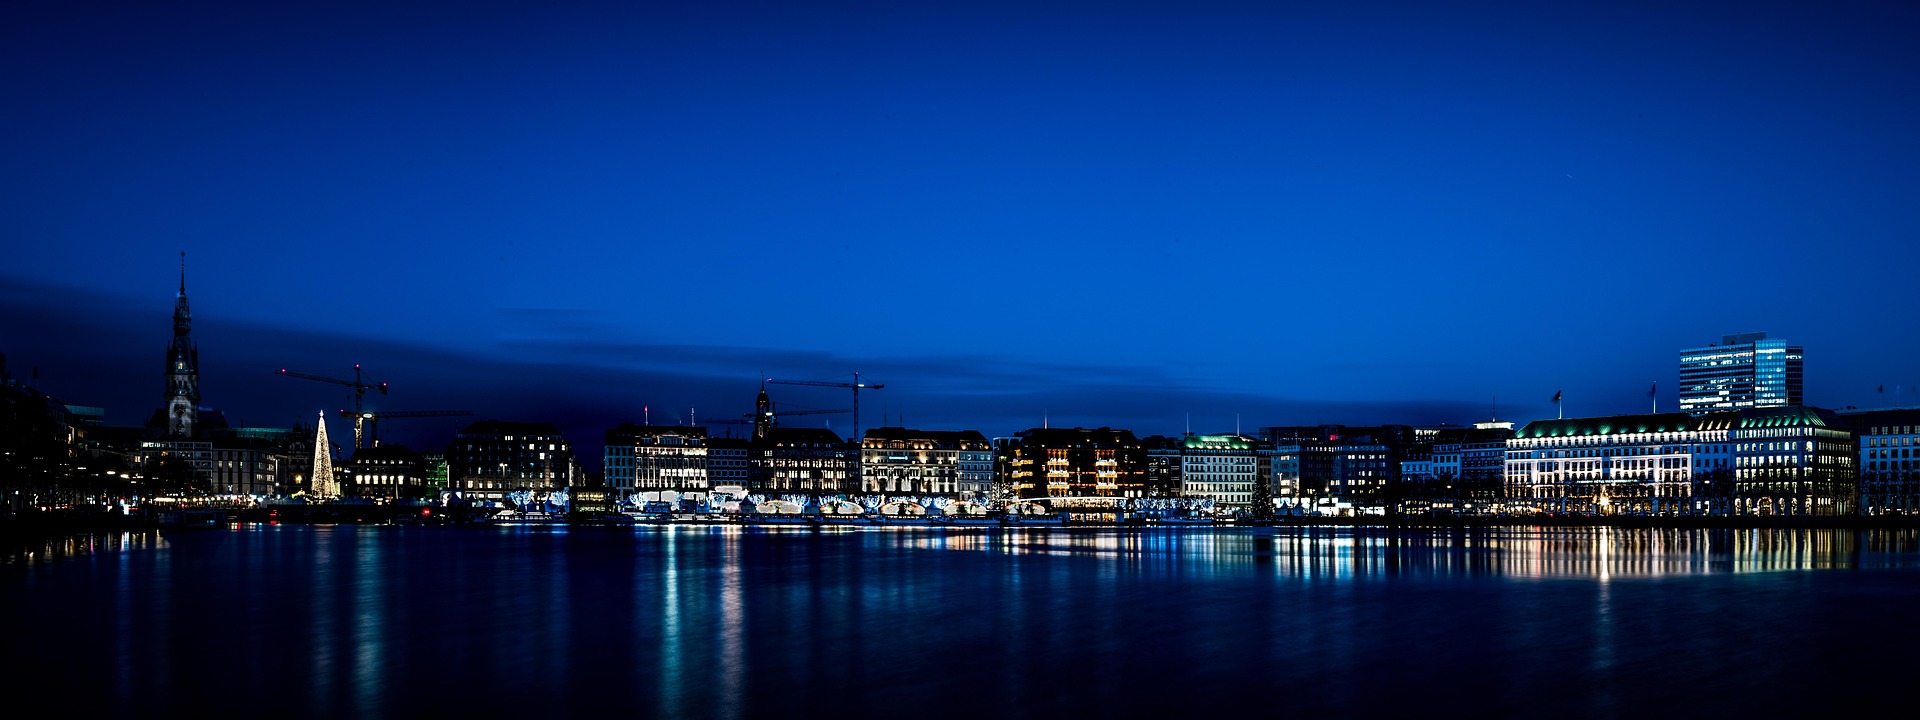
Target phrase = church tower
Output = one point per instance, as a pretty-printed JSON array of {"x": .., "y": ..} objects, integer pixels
[
  {"x": 762, "y": 413},
  {"x": 183, "y": 367}
]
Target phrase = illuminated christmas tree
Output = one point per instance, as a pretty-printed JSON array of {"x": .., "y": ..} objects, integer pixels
[{"x": 323, "y": 485}]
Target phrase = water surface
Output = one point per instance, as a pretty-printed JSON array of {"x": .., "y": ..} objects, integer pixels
[{"x": 344, "y": 621}]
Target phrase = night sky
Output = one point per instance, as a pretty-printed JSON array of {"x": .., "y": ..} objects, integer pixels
[{"x": 1102, "y": 214}]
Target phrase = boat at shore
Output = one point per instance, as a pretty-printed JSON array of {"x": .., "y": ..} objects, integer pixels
[{"x": 529, "y": 518}]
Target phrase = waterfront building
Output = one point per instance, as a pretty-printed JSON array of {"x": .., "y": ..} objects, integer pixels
[
  {"x": 1455, "y": 468},
  {"x": 1417, "y": 468},
  {"x": 246, "y": 466},
  {"x": 727, "y": 463},
  {"x": 297, "y": 462},
  {"x": 1483, "y": 462},
  {"x": 783, "y": 459},
  {"x": 1163, "y": 463},
  {"x": 1889, "y": 462},
  {"x": 1757, "y": 461},
  {"x": 196, "y": 454},
  {"x": 386, "y": 471},
  {"x": 434, "y": 472},
  {"x": 1335, "y": 462},
  {"x": 1223, "y": 468},
  {"x": 812, "y": 460},
  {"x": 1078, "y": 463},
  {"x": 957, "y": 463},
  {"x": 1741, "y": 371},
  {"x": 1632, "y": 464},
  {"x": 1794, "y": 461},
  {"x": 491, "y": 458},
  {"x": 657, "y": 458}
]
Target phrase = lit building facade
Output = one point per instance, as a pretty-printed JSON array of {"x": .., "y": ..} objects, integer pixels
[
  {"x": 728, "y": 462},
  {"x": 1077, "y": 463},
  {"x": 1741, "y": 371},
  {"x": 926, "y": 462},
  {"x": 196, "y": 453},
  {"x": 1889, "y": 463},
  {"x": 1349, "y": 464},
  {"x": 491, "y": 458},
  {"x": 387, "y": 471},
  {"x": 1758, "y": 461},
  {"x": 654, "y": 458},
  {"x": 1223, "y": 468},
  {"x": 1455, "y": 467},
  {"x": 242, "y": 466},
  {"x": 1624, "y": 464},
  {"x": 808, "y": 460},
  {"x": 1794, "y": 461}
]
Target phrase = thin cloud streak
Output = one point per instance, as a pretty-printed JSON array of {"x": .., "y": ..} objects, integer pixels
[{"x": 105, "y": 350}]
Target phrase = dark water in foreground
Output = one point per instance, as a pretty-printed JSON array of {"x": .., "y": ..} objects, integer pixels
[{"x": 442, "y": 622}]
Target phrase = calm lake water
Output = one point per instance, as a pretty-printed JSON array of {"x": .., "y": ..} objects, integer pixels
[{"x": 347, "y": 621}]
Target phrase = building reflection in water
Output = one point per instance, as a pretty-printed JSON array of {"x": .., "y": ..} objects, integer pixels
[
  {"x": 1320, "y": 554},
  {"x": 737, "y": 622}
]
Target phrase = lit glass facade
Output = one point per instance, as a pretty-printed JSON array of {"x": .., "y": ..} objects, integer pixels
[{"x": 1741, "y": 371}]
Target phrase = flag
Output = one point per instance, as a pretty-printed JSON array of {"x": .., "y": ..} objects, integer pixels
[
  {"x": 1882, "y": 390},
  {"x": 1556, "y": 397},
  {"x": 1651, "y": 390}
]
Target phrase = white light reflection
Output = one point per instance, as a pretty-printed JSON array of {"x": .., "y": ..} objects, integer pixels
[
  {"x": 1341, "y": 554},
  {"x": 733, "y": 630},
  {"x": 369, "y": 631}
]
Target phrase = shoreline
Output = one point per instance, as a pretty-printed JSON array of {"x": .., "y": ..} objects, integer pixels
[{"x": 33, "y": 529}]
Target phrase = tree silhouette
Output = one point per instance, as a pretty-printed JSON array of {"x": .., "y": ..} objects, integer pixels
[
  {"x": 174, "y": 476},
  {"x": 1262, "y": 500}
]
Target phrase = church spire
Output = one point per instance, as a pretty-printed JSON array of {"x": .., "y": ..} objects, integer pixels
[
  {"x": 183, "y": 367},
  {"x": 762, "y": 412}
]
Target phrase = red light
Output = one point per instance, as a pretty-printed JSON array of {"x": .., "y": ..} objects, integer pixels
[{"x": 424, "y": 512}]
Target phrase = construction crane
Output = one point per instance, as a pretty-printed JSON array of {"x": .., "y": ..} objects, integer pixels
[
  {"x": 360, "y": 388},
  {"x": 856, "y": 386},
  {"x": 789, "y": 413},
  {"x": 371, "y": 419},
  {"x": 747, "y": 419}
]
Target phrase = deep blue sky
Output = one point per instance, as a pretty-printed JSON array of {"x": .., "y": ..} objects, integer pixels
[{"x": 1106, "y": 213}]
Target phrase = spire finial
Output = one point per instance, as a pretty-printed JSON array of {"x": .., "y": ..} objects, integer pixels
[{"x": 183, "y": 272}]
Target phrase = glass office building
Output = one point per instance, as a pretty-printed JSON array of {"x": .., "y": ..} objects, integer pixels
[{"x": 1740, "y": 371}]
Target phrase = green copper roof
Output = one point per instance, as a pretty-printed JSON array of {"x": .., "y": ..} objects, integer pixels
[
  {"x": 1748, "y": 418},
  {"x": 1798, "y": 416},
  {"x": 1622, "y": 425},
  {"x": 1218, "y": 442}
]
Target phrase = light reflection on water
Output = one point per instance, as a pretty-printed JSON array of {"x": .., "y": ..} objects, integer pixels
[
  {"x": 1599, "y": 553},
  {"x": 726, "y": 622}
]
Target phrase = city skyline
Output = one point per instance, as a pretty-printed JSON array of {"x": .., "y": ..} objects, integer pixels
[
  {"x": 1082, "y": 215},
  {"x": 981, "y": 358},
  {"x": 583, "y": 421}
]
